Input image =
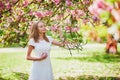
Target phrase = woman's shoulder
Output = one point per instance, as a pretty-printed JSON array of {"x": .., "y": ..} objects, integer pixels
[
  {"x": 49, "y": 36},
  {"x": 31, "y": 39},
  {"x": 31, "y": 42}
]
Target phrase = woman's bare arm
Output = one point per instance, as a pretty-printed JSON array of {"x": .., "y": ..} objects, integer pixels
[
  {"x": 29, "y": 57},
  {"x": 61, "y": 44}
]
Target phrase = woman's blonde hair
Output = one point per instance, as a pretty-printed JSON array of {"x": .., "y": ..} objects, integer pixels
[{"x": 34, "y": 32}]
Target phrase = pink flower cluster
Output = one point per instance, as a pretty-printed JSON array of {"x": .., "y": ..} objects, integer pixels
[
  {"x": 41, "y": 14},
  {"x": 2, "y": 6},
  {"x": 54, "y": 28},
  {"x": 56, "y": 1},
  {"x": 98, "y": 6},
  {"x": 26, "y": 3},
  {"x": 58, "y": 17},
  {"x": 76, "y": 13},
  {"x": 8, "y": 5},
  {"x": 69, "y": 29},
  {"x": 69, "y": 3},
  {"x": 86, "y": 1}
]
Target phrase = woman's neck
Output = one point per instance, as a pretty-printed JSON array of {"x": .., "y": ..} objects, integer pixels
[{"x": 41, "y": 37}]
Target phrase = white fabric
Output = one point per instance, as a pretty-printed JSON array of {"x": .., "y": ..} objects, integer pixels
[
  {"x": 41, "y": 70},
  {"x": 113, "y": 30},
  {"x": 117, "y": 36}
]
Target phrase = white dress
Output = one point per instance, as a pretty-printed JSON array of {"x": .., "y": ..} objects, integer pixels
[{"x": 41, "y": 70}]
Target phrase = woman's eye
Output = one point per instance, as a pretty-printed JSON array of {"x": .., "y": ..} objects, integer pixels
[{"x": 40, "y": 26}]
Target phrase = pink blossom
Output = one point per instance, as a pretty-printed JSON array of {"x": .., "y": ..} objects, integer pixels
[
  {"x": 56, "y": 1},
  {"x": 20, "y": 12},
  {"x": 42, "y": 14},
  {"x": 67, "y": 29},
  {"x": 2, "y": 6},
  {"x": 75, "y": 29},
  {"x": 69, "y": 3},
  {"x": 109, "y": 8},
  {"x": 58, "y": 17},
  {"x": 86, "y": 1},
  {"x": 17, "y": 17},
  {"x": 68, "y": 10},
  {"x": 95, "y": 18},
  {"x": 98, "y": 6},
  {"x": 54, "y": 28},
  {"x": 94, "y": 10},
  {"x": 9, "y": 20},
  {"x": 8, "y": 6},
  {"x": 77, "y": 13},
  {"x": 68, "y": 21},
  {"x": 73, "y": 13},
  {"x": 31, "y": 13},
  {"x": 25, "y": 3},
  {"x": 85, "y": 20},
  {"x": 39, "y": 14},
  {"x": 48, "y": 13},
  {"x": 80, "y": 13},
  {"x": 101, "y": 4}
]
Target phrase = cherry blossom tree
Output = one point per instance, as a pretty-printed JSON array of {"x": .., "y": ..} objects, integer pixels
[
  {"x": 60, "y": 16},
  {"x": 17, "y": 17}
]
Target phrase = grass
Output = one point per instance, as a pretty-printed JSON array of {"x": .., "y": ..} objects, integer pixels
[{"x": 90, "y": 64}]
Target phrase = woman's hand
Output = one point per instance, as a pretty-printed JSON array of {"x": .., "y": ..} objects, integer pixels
[
  {"x": 43, "y": 56},
  {"x": 29, "y": 57}
]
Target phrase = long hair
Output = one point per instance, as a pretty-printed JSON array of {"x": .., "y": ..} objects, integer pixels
[{"x": 34, "y": 32}]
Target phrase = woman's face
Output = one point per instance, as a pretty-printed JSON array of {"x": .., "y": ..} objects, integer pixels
[{"x": 42, "y": 28}]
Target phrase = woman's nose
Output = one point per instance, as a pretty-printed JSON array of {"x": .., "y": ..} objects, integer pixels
[{"x": 44, "y": 28}]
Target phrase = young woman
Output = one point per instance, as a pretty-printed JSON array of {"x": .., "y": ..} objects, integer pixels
[{"x": 41, "y": 44}]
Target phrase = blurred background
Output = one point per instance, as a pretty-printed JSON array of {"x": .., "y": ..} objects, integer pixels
[{"x": 91, "y": 27}]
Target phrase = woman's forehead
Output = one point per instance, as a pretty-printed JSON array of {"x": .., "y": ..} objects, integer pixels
[{"x": 41, "y": 24}]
